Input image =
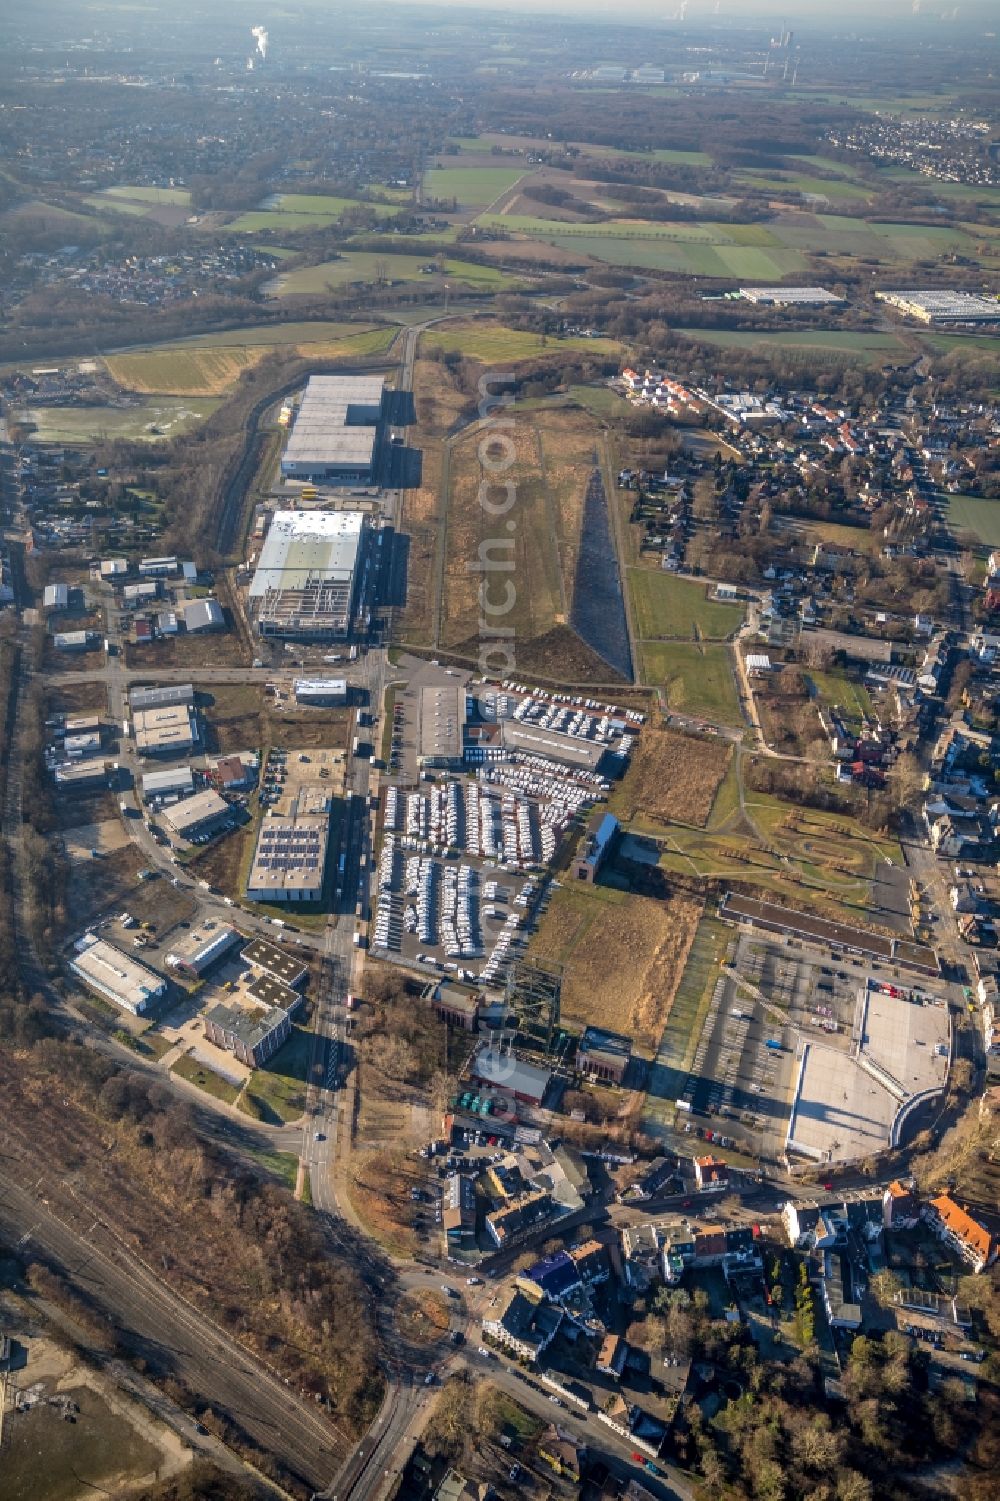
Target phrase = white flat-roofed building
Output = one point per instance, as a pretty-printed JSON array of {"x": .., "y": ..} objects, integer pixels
[
  {"x": 157, "y": 568},
  {"x": 442, "y": 725},
  {"x": 165, "y": 732},
  {"x": 112, "y": 569},
  {"x": 789, "y": 296},
  {"x": 534, "y": 740},
  {"x": 321, "y": 690},
  {"x": 203, "y": 947},
  {"x": 934, "y": 305},
  {"x": 336, "y": 430},
  {"x": 201, "y": 814},
  {"x": 86, "y": 744},
  {"x": 75, "y": 640},
  {"x": 77, "y": 774},
  {"x": 161, "y": 698},
  {"x": 56, "y": 597},
  {"x": 290, "y": 859},
  {"x": 141, "y": 594},
  {"x": 204, "y": 615},
  {"x": 115, "y": 975},
  {"x": 305, "y": 583},
  {"x": 164, "y": 786}
]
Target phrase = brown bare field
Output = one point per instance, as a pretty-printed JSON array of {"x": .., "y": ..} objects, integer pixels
[
  {"x": 242, "y": 717},
  {"x": 379, "y": 1187},
  {"x": 623, "y": 955},
  {"x": 439, "y": 405},
  {"x": 672, "y": 778},
  {"x": 77, "y": 698},
  {"x": 222, "y": 649},
  {"x": 112, "y": 880}
]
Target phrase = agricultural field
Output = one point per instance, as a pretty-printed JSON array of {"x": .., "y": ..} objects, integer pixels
[
  {"x": 671, "y": 778},
  {"x": 142, "y": 201},
  {"x": 492, "y": 343},
  {"x": 366, "y": 265},
  {"x": 201, "y": 367},
  {"x": 695, "y": 679},
  {"x": 842, "y": 344},
  {"x": 289, "y": 212},
  {"x": 666, "y": 606},
  {"x": 152, "y": 421},
  {"x": 471, "y": 187},
  {"x": 623, "y": 955}
]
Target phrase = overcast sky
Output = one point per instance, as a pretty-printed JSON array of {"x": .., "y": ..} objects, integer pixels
[{"x": 979, "y": 13}]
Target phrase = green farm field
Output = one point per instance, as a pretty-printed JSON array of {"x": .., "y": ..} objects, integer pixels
[
  {"x": 471, "y": 187},
  {"x": 664, "y": 605},
  {"x": 295, "y": 211},
  {"x": 364, "y": 265},
  {"x": 153, "y": 421},
  {"x": 493, "y": 343},
  {"x": 201, "y": 368},
  {"x": 695, "y": 678},
  {"x": 834, "y": 343}
]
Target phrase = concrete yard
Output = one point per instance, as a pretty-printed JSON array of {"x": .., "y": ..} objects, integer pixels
[{"x": 81, "y": 842}]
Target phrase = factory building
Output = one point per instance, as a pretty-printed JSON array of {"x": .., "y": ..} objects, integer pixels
[
  {"x": 161, "y": 698},
  {"x": 442, "y": 726},
  {"x": 604, "y": 1055},
  {"x": 321, "y": 690},
  {"x": 290, "y": 859},
  {"x": 335, "y": 435},
  {"x": 56, "y": 597},
  {"x": 202, "y": 948},
  {"x": 789, "y": 296},
  {"x": 75, "y": 640},
  {"x": 306, "y": 582},
  {"x": 115, "y": 976},
  {"x": 204, "y": 813},
  {"x": 942, "y": 307},
  {"x": 204, "y": 615},
  {"x": 167, "y": 786},
  {"x": 165, "y": 732}
]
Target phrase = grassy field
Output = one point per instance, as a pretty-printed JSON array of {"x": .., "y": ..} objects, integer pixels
[
  {"x": 166, "y": 417},
  {"x": 203, "y": 368},
  {"x": 682, "y": 1030},
  {"x": 696, "y": 679},
  {"x": 471, "y": 187},
  {"x": 289, "y": 212},
  {"x": 667, "y": 606},
  {"x": 785, "y": 183},
  {"x": 364, "y": 265},
  {"x": 278, "y": 1090},
  {"x": 969, "y": 513},
  {"x": 623, "y": 956},
  {"x": 492, "y": 343},
  {"x": 845, "y": 344},
  {"x": 205, "y": 1078},
  {"x": 671, "y": 778}
]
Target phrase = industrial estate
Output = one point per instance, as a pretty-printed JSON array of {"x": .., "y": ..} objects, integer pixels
[{"x": 499, "y": 643}]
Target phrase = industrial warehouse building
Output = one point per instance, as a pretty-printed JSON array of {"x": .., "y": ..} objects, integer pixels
[
  {"x": 202, "y": 948},
  {"x": 161, "y": 698},
  {"x": 306, "y": 581},
  {"x": 115, "y": 976},
  {"x": 789, "y": 296},
  {"x": 165, "y": 732},
  {"x": 167, "y": 786},
  {"x": 321, "y": 690},
  {"x": 944, "y": 307},
  {"x": 204, "y": 615},
  {"x": 335, "y": 436},
  {"x": 203, "y": 813},
  {"x": 290, "y": 859}
]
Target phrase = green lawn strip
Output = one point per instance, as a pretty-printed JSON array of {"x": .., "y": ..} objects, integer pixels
[
  {"x": 205, "y": 1078},
  {"x": 277, "y": 1091},
  {"x": 971, "y": 513}
]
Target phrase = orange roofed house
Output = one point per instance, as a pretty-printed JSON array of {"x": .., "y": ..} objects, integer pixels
[{"x": 965, "y": 1235}]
